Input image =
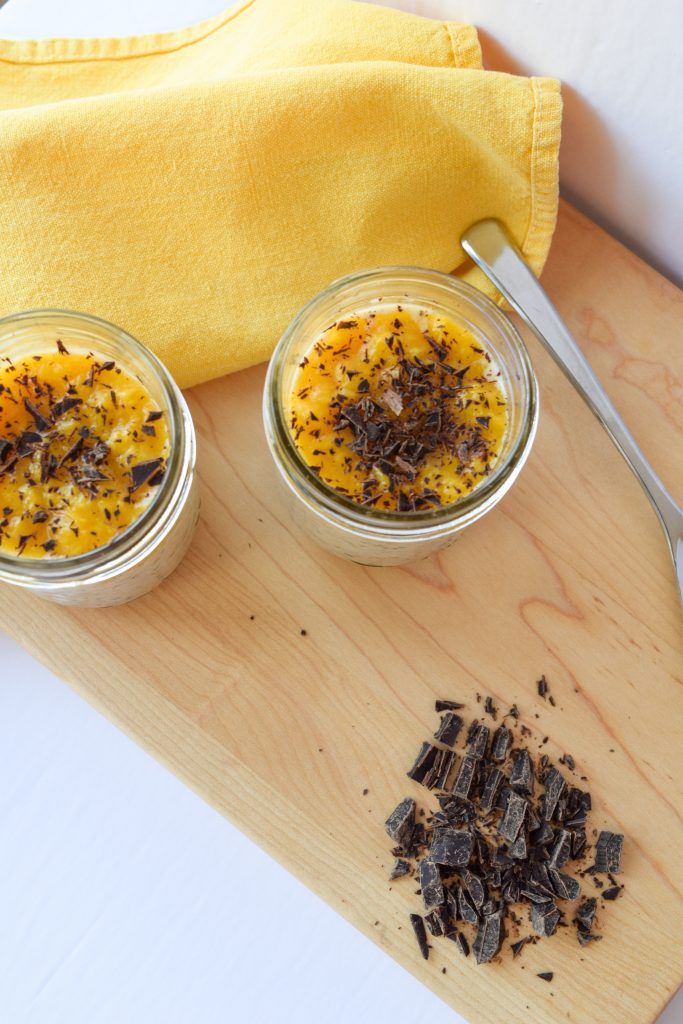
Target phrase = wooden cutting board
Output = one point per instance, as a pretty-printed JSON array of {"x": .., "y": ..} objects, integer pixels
[{"x": 570, "y": 576}]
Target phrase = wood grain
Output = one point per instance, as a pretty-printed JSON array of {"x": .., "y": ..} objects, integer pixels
[{"x": 570, "y": 576}]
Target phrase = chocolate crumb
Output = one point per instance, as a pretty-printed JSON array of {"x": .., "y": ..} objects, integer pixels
[
  {"x": 401, "y": 867},
  {"x": 518, "y": 946},
  {"x": 447, "y": 705},
  {"x": 490, "y": 708}
]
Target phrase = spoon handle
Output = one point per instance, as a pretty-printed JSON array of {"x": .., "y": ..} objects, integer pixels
[{"x": 491, "y": 247}]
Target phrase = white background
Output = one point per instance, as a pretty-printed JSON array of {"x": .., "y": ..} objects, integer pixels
[{"x": 124, "y": 899}]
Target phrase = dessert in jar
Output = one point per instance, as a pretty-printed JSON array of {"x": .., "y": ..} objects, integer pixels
[
  {"x": 98, "y": 499},
  {"x": 400, "y": 406}
]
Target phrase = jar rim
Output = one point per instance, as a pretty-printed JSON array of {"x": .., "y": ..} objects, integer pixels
[
  {"x": 143, "y": 530},
  {"x": 292, "y": 464}
]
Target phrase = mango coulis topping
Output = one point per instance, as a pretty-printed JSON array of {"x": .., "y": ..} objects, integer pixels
[
  {"x": 398, "y": 408},
  {"x": 83, "y": 449}
]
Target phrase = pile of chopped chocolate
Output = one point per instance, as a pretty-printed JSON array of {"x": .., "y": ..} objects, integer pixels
[{"x": 505, "y": 828}]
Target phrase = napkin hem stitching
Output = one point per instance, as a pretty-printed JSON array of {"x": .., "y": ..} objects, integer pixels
[
  {"x": 82, "y": 50},
  {"x": 464, "y": 44},
  {"x": 543, "y": 180}
]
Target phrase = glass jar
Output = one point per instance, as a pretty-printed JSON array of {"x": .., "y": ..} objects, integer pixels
[
  {"x": 151, "y": 547},
  {"x": 362, "y": 533}
]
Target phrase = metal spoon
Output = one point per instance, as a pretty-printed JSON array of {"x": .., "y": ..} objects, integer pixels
[{"x": 491, "y": 247}]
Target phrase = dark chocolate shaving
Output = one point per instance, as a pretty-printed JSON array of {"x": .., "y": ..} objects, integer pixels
[
  {"x": 545, "y": 918},
  {"x": 142, "y": 472},
  {"x": 430, "y": 883},
  {"x": 401, "y": 822},
  {"x": 585, "y": 914},
  {"x": 420, "y": 934},
  {"x": 500, "y": 744},
  {"x": 447, "y": 705},
  {"x": 451, "y": 847},
  {"x": 465, "y": 777},
  {"x": 445, "y": 921},
  {"x": 490, "y": 708},
  {"x": 434, "y": 924},
  {"x": 488, "y": 938},
  {"x": 566, "y": 886},
  {"x": 478, "y": 741},
  {"x": 561, "y": 849},
  {"x": 490, "y": 789},
  {"x": 474, "y": 887},
  {"x": 511, "y": 822},
  {"x": 518, "y": 850},
  {"x": 423, "y": 762},
  {"x": 438, "y": 774},
  {"x": 65, "y": 404},
  {"x": 90, "y": 474},
  {"x": 42, "y": 423},
  {"x": 401, "y": 867},
  {"x": 522, "y": 774},
  {"x": 554, "y": 787},
  {"x": 449, "y": 728},
  {"x": 608, "y": 851},
  {"x": 27, "y": 443},
  {"x": 467, "y": 910}
]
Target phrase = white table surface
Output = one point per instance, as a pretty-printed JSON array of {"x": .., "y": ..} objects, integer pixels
[{"x": 124, "y": 899}]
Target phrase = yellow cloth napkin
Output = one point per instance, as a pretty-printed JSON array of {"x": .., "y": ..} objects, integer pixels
[{"x": 197, "y": 187}]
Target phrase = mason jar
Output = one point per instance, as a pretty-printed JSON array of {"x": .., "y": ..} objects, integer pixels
[
  {"x": 149, "y": 549},
  {"x": 359, "y": 532}
]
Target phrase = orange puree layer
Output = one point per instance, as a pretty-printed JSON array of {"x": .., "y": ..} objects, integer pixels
[
  {"x": 398, "y": 408},
  {"x": 83, "y": 448}
]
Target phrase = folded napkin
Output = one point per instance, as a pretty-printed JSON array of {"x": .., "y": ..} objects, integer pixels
[{"x": 197, "y": 187}]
